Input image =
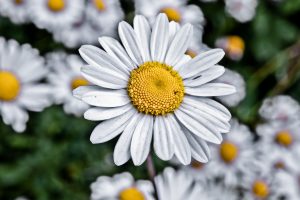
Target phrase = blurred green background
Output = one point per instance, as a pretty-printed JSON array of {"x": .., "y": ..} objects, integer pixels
[{"x": 54, "y": 159}]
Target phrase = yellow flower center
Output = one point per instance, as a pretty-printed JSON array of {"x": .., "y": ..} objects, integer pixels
[
  {"x": 56, "y": 5},
  {"x": 155, "y": 88},
  {"x": 191, "y": 53},
  {"x": 284, "y": 138},
  {"x": 99, "y": 4},
  {"x": 260, "y": 189},
  {"x": 197, "y": 165},
  {"x": 78, "y": 81},
  {"x": 236, "y": 44},
  {"x": 279, "y": 165},
  {"x": 228, "y": 151},
  {"x": 9, "y": 86},
  {"x": 172, "y": 14},
  {"x": 18, "y": 2},
  {"x": 131, "y": 194}
]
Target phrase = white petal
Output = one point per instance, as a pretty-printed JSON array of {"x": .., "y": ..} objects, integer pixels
[
  {"x": 35, "y": 97},
  {"x": 159, "y": 38},
  {"x": 80, "y": 91},
  {"x": 179, "y": 45},
  {"x": 211, "y": 90},
  {"x": 218, "y": 111},
  {"x": 196, "y": 127},
  {"x": 97, "y": 57},
  {"x": 109, "y": 129},
  {"x": 205, "y": 76},
  {"x": 181, "y": 145},
  {"x": 173, "y": 28},
  {"x": 143, "y": 33},
  {"x": 141, "y": 140},
  {"x": 98, "y": 114},
  {"x": 128, "y": 38},
  {"x": 200, "y": 149},
  {"x": 122, "y": 148},
  {"x": 106, "y": 98},
  {"x": 201, "y": 62},
  {"x": 184, "y": 59},
  {"x": 104, "y": 77},
  {"x": 163, "y": 139},
  {"x": 116, "y": 51}
]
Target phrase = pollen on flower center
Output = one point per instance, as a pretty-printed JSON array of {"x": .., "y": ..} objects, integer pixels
[
  {"x": 99, "y": 4},
  {"x": 155, "y": 88},
  {"x": 284, "y": 138},
  {"x": 172, "y": 13},
  {"x": 260, "y": 189},
  {"x": 78, "y": 81},
  {"x": 9, "y": 86},
  {"x": 131, "y": 194},
  {"x": 56, "y": 5},
  {"x": 228, "y": 152}
]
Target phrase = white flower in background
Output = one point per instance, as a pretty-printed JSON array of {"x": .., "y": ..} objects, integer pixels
[
  {"x": 176, "y": 10},
  {"x": 21, "y": 198},
  {"x": 200, "y": 171},
  {"x": 234, "y": 46},
  {"x": 281, "y": 137},
  {"x": 242, "y": 10},
  {"x": 55, "y": 14},
  {"x": 21, "y": 67},
  {"x": 259, "y": 186},
  {"x": 234, "y": 155},
  {"x": 64, "y": 77},
  {"x": 177, "y": 185},
  {"x": 16, "y": 10},
  {"x": 151, "y": 88},
  {"x": 80, "y": 32},
  {"x": 280, "y": 108},
  {"x": 213, "y": 191},
  {"x": 233, "y": 78},
  {"x": 105, "y": 14},
  {"x": 121, "y": 187}
]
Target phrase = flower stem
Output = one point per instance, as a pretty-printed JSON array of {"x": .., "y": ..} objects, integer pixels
[{"x": 152, "y": 173}]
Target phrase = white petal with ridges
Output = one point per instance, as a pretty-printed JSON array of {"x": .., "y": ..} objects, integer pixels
[
  {"x": 143, "y": 34},
  {"x": 109, "y": 129},
  {"x": 211, "y": 90},
  {"x": 141, "y": 140}
]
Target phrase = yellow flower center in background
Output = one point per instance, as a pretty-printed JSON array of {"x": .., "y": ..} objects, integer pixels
[
  {"x": 228, "y": 151},
  {"x": 279, "y": 165},
  {"x": 131, "y": 194},
  {"x": 260, "y": 189},
  {"x": 56, "y": 5},
  {"x": 172, "y": 14},
  {"x": 9, "y": 86},
  {"x": 191, "y": 53},
  {"x": 78, "y": 81},
  {"x": 236, "y": 44},
  {"x": 155, "y": 88},
  {"x": 197, "y": 165},
  {"x": 284, "y": 138},
  {"x": 99, "y": 4},
  {"x": 18, "y": 2}
]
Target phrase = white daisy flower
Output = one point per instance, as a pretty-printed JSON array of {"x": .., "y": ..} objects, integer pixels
[
  {"x": 21, "y": 67},
  {"x": 213, "y": 191},
  {"x": 233, "y": 45},
  {"x": 105, "y": 14},
  {"x": 16, "y": 10},
  {"x": 233, "y": 78},
  {"x": 150, "y": 88},
  {"x": 235, "y": 154},
  {"x": 64, "y": 77},
  {"x": 281, "y": 108},
  {"x": 281, "y": 137},
  {"x": 55, "y": 14},
  {"x": 121, "y": 187},
  {"x": 80, "y": 32},
  {"x": 242, "y": 10},
  {"x": 177, "y": 185}
]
